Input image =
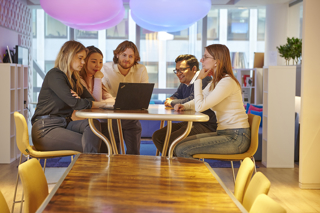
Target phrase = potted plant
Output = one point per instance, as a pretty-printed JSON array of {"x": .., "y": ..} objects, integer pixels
[{"x": 291, "y": 50}]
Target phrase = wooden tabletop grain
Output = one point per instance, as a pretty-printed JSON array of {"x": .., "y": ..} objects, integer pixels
[{"x": 132, "y": 183}]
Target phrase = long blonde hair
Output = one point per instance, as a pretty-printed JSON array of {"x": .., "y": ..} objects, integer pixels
[
  {"x": 63, "y": 62},
  {"x": 221, "y": 53}
]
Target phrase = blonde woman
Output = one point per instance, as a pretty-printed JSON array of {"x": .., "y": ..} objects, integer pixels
[
  {"x": 61, "y": 94},
  {"x": 223, "y": 96}
]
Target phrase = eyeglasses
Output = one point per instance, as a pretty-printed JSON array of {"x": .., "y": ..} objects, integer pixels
[
  {"x": 176, "y": 71},
  {"x": 205, "y": 57}
]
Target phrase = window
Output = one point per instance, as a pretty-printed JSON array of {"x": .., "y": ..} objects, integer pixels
[
  {"x": 199, "y": 30},
  {"x": 34, "y": 23},
  {"x": 152, "y": 69},
  {"x": 181, "y": 35},
  {"x": 213, "y": 25},
  {"x": 86, "y": 34},
  {"x": 301, "y": 21},
  {"x": 48, "y": 66},
  {"x": 54, "y": 28},
  {"x": 261, "y": 24},
  {"x": 172, "y": 79},
  {"x": 147, "y": 34},
  {"x": 120, "y": 31},
  {"x": 238, "y": 24}
]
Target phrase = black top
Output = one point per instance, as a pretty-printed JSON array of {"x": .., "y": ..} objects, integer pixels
[
  {"x": 56, "y": 99},
  {"x": 186, "y": 93}
]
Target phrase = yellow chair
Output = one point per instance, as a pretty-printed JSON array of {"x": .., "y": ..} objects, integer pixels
[
  {"x": 243, "y": 178},
  {"x": 254, "y": 122},
  {"x": 34, "y": 184},
  {"x": 3, "y": 204},
  {"x": 265, "y": 204},
  {"x": 22, "y": 140},
  {"x": 259, "y": 184}
]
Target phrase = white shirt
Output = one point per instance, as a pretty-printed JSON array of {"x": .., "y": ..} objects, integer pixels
[
  {"x": 225, "y": 100},
  {"x": 112, "y": 76},
  {"x": 194, "y": 78}
]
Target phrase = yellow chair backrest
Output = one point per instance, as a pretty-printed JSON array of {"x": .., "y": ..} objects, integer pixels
[
  {"x": 259, "y": 184},
  {"x": 243, "y": 178},
  {"x": 254, "y": 122},
  {"x": 3, "y": 204},
  {"x": 34, "y": 184},
  {"x": 22, "y": 135},
  {"x": 265, "y": 204}
]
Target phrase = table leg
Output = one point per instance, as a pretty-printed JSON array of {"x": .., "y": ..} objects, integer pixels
[
  {"x": 166, "y": 141},
  {"x": 100, "y": 135},
  {"x": 113, "y": 141},
  {"x": 161, "y": 126},
  {"x": 179, "y": 139},
  {"x": 121, "y": 137}
]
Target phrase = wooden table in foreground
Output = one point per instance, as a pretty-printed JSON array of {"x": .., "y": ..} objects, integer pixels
[{"x": 133, "y": 183}]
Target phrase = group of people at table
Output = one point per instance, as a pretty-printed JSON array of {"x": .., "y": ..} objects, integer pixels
[{"x": 79, "y": 72}]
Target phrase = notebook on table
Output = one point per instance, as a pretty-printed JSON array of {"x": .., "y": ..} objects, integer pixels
[{"x": 133, "y": 96}]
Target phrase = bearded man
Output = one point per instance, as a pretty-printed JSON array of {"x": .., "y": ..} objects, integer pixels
[{"x": 125, "y": 68}]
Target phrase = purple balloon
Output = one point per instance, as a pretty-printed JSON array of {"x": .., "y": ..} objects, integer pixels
[
  {"x": 157, "y": 28},
  {"x": 82, "y": 11},
  {"x": 102, "y": 26},
  {"x": 170, "y": 12}
]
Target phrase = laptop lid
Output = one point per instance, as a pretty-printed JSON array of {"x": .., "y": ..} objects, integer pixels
[{"x": 133, "y": 96}]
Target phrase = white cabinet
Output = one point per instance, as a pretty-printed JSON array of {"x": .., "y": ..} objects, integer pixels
[
  {"x": 14, "y": 89},
  {"x": 278, "y": 116},
  {"x": 251, "y": 93}
]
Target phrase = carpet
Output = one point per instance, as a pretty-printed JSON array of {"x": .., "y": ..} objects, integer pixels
[{"x": 146, "y": 148}]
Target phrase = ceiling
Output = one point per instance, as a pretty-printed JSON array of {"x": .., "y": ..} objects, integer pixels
[{"x": 227, "y": 3}]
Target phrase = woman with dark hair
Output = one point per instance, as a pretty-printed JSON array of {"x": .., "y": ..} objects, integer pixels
[
  {"x": 62, "y": 93},
  {"x": 223, "y": 96},
  {"x": 91, "y": 75},
  {"x": 90, "y": 78}
]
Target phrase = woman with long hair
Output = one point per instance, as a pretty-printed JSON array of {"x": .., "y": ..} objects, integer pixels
[
  {"x": 62, "y": 93},
  {"x": 223, "y": 96},
  {"x": 91, "y": 75},
  {"x": 91, "y": 78}
]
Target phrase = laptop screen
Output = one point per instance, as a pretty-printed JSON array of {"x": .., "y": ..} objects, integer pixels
[{"x": 133, "y": 96}]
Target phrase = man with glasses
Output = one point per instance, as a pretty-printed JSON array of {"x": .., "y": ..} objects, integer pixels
[{"x": 187, "y": 70}]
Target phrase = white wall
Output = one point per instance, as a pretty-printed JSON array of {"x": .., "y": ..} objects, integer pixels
[{"x": 309, "y": 171}]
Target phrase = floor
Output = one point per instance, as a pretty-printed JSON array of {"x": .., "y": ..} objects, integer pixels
[{"x": 284, "y": 186}]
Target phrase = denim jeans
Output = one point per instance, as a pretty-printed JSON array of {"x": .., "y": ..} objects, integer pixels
[
  {"x": 177, "y": 130},
  {"x": 228, "y": 141}
]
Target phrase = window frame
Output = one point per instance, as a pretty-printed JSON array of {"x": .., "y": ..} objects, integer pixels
[
  {"x": 230, "y": 35},
  {"x": 218, "y": 33},
  {"x": 45, "y": 29}
]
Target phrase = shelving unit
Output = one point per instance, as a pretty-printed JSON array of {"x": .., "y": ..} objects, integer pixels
[
  {"x": 14, "y": 90},
  {"x": 253, "y": 91},
  {"x": 278, "y": 116}
]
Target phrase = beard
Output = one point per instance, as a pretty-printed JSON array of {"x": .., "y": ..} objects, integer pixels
[{"x": 124, "y": 65}]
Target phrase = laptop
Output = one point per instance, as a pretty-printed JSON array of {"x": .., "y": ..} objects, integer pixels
[{"x": 133, "y": 96}]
